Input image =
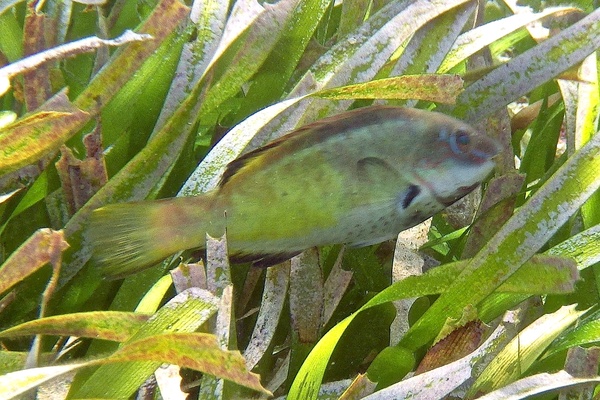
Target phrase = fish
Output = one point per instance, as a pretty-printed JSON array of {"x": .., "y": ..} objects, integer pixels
[{"x": 357, "y": 178}]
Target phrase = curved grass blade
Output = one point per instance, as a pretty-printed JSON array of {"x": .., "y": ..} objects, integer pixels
[
  {"x": 208, "y": 19},
  {"x": 273, "y": 299},
  {"x": 427, "y": 49},
  {"x": 67, "y": 50},
  {"x": 309, "y": 377},
  {"x": 197, "y": 351},
  {"x": 585, "y": 334},
  {"x": 476, "y": 39},
  {"x": 184, "y": 313},
  {"x": 537, "y": 384},
  {"x": 523, "y": 350},
  {"x": 354, "y": 60},
  {"x": 385, "y": 31},
  {"x": 17, "y": 383},
  {"x": 584, "y": 248},
  {"x": 256, "y": 43},
  {"x": 43, "y": 247},
  {"x": 106, "y": 325},
  {"x": 530, "y": 69},
  {"x": 430, "y": 87},
  {"x": 268, "y": 87},
  {"x": 166, "y": 16},
  {"x": 209, "y": 171}
]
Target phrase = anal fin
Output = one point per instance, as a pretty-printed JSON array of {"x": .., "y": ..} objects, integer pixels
[{"x": 262, "y": 260}]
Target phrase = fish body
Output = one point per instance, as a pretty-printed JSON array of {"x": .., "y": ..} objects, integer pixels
[{"x": 357, "y": 178}]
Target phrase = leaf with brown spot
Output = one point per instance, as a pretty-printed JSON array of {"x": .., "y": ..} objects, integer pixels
[
  {"x": 457, "y": 344},
  {"x": 186, "y": 312},
  {"x": 20, "y": 143},
  {"x": 107, "y": 325},
  {"x": 198, "y": 351},
  {"x": 31, "y": 138},
  {"x": 81, "y": 179},
  {"x": 431, "y": 87},
  {"x": 36, "y": 82},
  {"x": 43, "y": 247},
  {"x": 192, "y": 350}
]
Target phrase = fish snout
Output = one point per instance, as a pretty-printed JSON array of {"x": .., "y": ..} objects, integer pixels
[{"x": 485, "y": 148}]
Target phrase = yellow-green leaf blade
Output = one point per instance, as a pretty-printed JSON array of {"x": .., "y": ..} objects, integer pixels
[
  {"x": 41, "y": 248},
  {"x": 523, "y": 350},
  {"x": 106, "y": 325},
  {"x": 184, "y": 313},
  {"x": 198, "y": 351},
  {"x": 530, "y": 69},
  {"x": 431, "y": 87},
  {"x": 27, "y": 140}
]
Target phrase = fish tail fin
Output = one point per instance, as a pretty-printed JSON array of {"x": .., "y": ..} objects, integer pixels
[{"x": 129, "y": 237}]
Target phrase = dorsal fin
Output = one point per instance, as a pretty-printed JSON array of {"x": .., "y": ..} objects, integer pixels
[{"x": 310, "y": 134}]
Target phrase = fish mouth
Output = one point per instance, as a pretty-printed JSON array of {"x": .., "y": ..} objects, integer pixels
[
  {"x": 460, "y": 193},
  {"x": 485, "y": 149},
  {"x": 446, "y": 201}
]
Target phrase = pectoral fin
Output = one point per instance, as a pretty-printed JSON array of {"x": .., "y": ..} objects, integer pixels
[{"x": 374, "y": 170}]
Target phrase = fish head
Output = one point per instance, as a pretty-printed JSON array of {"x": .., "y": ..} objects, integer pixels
[{"x": 453, "y": 158}]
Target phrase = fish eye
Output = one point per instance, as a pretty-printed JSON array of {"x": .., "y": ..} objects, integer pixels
[
  {"x": 459, "y": 142},
  {"x": 462, "y": 138}
]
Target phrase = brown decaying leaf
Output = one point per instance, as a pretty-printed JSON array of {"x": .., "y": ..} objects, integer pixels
[
  {"x": 33, "y": 137},
  {"x": 497, "y": 126},
  {"x": 456, "y": 345},
  {"x": 186, "y": 276},
  {"x": 527, "y": 115},
  {"x": 306, "y": 296},
  {"x": 582, "y": 363},
  {"x": 36, "y": 88},
  {"x": 43, "y": 247},
  {"x": 37, "y": 60},
  {"x": 198, "y": 351},
  {"x": 81, "y": 179},
  {"x": 105, "y": 325}
]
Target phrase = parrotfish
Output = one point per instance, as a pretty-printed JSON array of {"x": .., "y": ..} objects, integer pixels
[{"x": 357, "y": 178}]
